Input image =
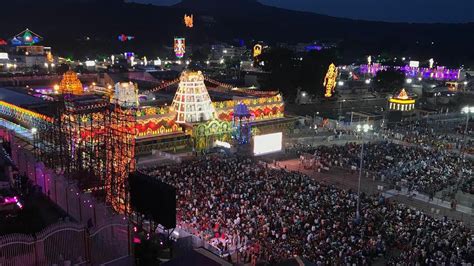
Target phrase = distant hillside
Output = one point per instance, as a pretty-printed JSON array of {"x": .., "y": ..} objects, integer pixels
[{"x": 67, "y": 24}]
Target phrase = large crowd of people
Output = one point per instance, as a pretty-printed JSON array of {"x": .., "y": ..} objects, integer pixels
[
  {"x": 422, "y": 133},
  {"x": 262, "y": 214},
  {"x": 426, "y": 170}
]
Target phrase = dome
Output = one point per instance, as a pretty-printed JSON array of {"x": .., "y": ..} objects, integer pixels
[
  {"x": 70, "y": 84},
  {"x": 191, "y": 101}
]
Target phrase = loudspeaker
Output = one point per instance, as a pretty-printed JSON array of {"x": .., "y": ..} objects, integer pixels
[{"x": 153, "y": 198}]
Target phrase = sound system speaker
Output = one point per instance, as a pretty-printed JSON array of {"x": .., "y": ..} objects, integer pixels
[{"x": 153, "y": 198}]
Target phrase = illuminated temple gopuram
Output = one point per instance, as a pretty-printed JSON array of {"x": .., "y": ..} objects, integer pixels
[{"x": 194, "y": 120}]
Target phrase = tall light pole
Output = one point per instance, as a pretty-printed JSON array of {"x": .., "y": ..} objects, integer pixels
[
  {"x": 362, "y": 129},
  {"x": 340, "y": 107},
  {"x": 466, "y": 110}
]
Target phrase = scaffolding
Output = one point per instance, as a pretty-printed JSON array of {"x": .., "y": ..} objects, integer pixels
[
  {"x": 92, "y": 142},
  {"x": 120, "y": 157}
]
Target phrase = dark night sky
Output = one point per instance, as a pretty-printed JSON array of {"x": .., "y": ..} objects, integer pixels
[{"x": 381, "y": 10}]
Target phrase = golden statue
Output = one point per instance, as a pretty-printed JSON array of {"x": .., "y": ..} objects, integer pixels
[
  {"x": 330, "y": 80},
  {"x": 257, "y": 50},
  {"x": 70, "y": 84},
  {"x": 188, "y": 20}
]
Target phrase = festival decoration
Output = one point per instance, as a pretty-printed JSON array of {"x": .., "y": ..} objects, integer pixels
[
  {"x": 401, "y": 102},
  {"x": 241, "y": 123},
  {"x": 189, "y": 20},
  {"x": 49, "y": 57},
  {"x": 70, "y": 84},
  {"x": 191, "y": 101},
  {"x": 330, "y": 81},
  {"x": 24, "y": 116},
  {"x": 124, "y": 38},
  {"x": 257, "y": 50},
  {"x": 125, "y": 94},
  {"x": 438, "y": 73},
  {"x": 26, "y": 37},
  {"x": 179, "y": 47},
  {"x": 431, "y": 62}
]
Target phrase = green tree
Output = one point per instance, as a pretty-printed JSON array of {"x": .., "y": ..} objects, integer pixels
[
  {"x": 315, "y": 64},
  {"x": 389, "y": 80},
  {"x": 283, "y": 70}
]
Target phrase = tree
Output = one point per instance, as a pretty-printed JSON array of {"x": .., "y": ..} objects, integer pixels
[
  {"x": 313, "y": 70},
  {"x": 287, "y": 71},
  {"x": 389, "y": 80},
  {"x": 283, "y": 70}
]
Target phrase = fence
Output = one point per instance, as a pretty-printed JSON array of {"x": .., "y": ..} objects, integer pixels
[
  {"x": 68, "y": 244},
  {"x": 65, "y": 193}
]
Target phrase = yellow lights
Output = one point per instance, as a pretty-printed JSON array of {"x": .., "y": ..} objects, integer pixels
[
  {"x": 401, "y": 101},
  {"x": 189, "y": 20},
  {"x": 330, "y": 80},
  {"x": 179, "y": 47},
  {"x": 23, "y": 111},
  {"x": 56, "y": 89},
  {"x": 70, "y": 84},
  {"x": 257, "y": 50},
  {"x": 49, "y": 57}
]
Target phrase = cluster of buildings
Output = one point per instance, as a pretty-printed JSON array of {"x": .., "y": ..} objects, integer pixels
[
  {"x": 104, "y": 131},
  {"x": 23, "y": 51}
]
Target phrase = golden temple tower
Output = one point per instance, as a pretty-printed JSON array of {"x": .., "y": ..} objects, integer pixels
[{"x": 70, "y": 84}]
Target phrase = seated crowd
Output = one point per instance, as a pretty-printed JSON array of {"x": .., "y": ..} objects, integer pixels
[
  {"x": 262, "y": 214},
  {"x": 422, "y": 169},
  {"x": 424, "y": 134}
]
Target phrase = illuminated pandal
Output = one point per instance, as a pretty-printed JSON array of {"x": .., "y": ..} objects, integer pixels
[
  {"x": 70, "y": 84},
  {"x": 330, "y": 80},
  {"x": 401, "y": 102},
  {"x": 179, "y": 47},
  {"x": 257, "y": 50},
  {"x": 189, "y": 20}
]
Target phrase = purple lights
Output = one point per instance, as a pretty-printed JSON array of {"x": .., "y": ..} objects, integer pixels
[
  {"x": 10, "y": 200},
  {"x": 313, "y": 48},
  {"x": 438, "y": 73}
]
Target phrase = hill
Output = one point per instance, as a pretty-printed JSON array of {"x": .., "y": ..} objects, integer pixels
[{"x": 89, "y": 27}]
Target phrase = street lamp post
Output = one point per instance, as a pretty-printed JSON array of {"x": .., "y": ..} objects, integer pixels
[
  {"x": 363, "y": 129},
  {"x": 466, "y": 110},
  {"x": 340, "y": 107}
]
